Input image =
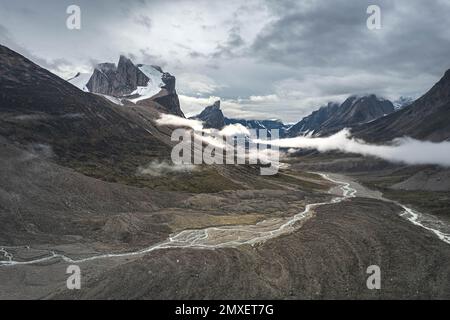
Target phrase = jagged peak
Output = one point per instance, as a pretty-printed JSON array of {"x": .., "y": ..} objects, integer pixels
[
  {"x": 216, "y": 105},
  {"x": 124, "y": 60},
  {"x": 447, "y": 74}
]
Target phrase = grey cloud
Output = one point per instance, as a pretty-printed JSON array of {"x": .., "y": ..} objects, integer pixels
[
  {"x": 334, "y": 35},
  {"x": 144, "y": 21},
  {"x": 230, "y": 47},
  {"x": 54, "y": 65},
  {"x": 305, "y": 52}
]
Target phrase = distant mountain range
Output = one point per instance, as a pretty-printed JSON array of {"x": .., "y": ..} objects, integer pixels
[
  {"x": 370, "y": 117},
  {"x": 212, "y": 117},
  {"x": 428, "y": 118},
  {"x": 324, "y": 121},
  {"x": 44, "y": 97},
  {"x": 334, "y": 117}
]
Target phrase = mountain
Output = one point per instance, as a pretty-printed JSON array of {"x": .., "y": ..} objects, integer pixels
[
  {"x": 117, "y": 81},
  {"x": 314, "y": 121},
  {"x": 127, "y": 83},
  {"x": 212, "y": 116},
  {"x": 428, "y": 118},
  {"x": 84, "y": 131},
  {"x": 332, "y": 118}
]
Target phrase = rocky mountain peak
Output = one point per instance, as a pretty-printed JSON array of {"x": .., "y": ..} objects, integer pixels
[
  {"x": 212, "y": 116},
  {"x": 216, "y": 105},
  {"x": 116, "y": 81}
]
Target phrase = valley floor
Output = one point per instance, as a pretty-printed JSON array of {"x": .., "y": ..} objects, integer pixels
[{"x": 322, "y": 253}]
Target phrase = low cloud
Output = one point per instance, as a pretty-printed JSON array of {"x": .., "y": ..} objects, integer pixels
[
  {"x": 174, "y": 121},
  {"x": 403, "y": 150},
  {"x": 161, "y": 168},
  {"x": 197, "y": 125},
  {"x": 222, "y": 141},
  {"x": 234, "y": 130}
]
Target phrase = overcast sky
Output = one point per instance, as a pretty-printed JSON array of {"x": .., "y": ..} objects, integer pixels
[{"x": 264, "y": 59}]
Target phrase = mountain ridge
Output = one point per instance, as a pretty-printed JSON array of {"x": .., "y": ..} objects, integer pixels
[
  {"x": 427, "y": 118},
  {"x": 335, "y": 117}
]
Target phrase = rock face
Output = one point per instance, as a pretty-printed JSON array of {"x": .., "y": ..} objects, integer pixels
[
  {"x": 352, "y": 112},
  {"x": 212, "y": 116},
  {"x": 428, "y": 118},
  {"x": 167, "y": 97},
  {"x": 145, "y": 85},
  {"x": 117, "y": 81}
]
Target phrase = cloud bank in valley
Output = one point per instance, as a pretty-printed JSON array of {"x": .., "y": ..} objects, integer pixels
[
  {"x": 404, "y": 150},
  {"x": 175, "y": 121},
  {"x": 197, "y": 125}
]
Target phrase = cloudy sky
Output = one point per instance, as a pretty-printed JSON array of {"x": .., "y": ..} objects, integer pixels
[{"x": 264, "y": 59}]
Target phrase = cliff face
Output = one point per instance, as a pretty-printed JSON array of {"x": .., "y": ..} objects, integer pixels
[
  {"x": 212, "y": 116},
  {"x": 118, "y": 80}
]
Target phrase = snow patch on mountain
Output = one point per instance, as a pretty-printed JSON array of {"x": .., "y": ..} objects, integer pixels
[
  {"x": 80, "y": 81},
  {"x": 153, "y": 86}
]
